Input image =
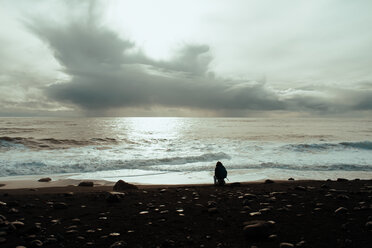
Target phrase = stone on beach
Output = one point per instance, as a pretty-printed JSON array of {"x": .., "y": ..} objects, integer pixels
[
  {"x": 118, "y": 244},
  {"x": 86, "y": 184},
  {"x": 121, "y": 185},
  {"x": 60, "y": 205},
  {"x": 286, "y": 245},
  {"x": 45, "y": 179},
  {"x": 341, "y": 210},
  {"x": 114, "y": 197},
  {"x": 258, "y": 229}
]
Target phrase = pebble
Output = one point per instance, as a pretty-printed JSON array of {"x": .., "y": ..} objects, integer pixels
[
  {"x": 118, "y": 244},
  {"x": 341, "y": 210},
  {"x": 258, "y": 229},
  {"x": 59, "y": 205},
  {"x": 369, "y": 225},
  {"x": 301, "y": 188},
  {"x": 269, "y": 181},
  {"x": 249, "y": 196},
  {"x": 286, "y": 245},
  {"x": 302, "y": 243},
  {"x": 212, "y": 210},
  {"x": 36, "y": 243},
  {"x": 13, "y": 211},
  {"x": 17, "y": 224},
  {"x": 113, "y": 197},
  {"x": 343, "y": 197},
  {"x": 86, "y": 184},
  {"x": 45, "y": 179}
]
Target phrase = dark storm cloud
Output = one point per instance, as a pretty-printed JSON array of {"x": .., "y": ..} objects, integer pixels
[{"x": 108, "y": 71}]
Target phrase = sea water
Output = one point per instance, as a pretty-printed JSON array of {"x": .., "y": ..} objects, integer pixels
[{"x": 185, "y": 150}]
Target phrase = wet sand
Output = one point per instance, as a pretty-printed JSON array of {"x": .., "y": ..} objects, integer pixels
[{"x": 271, "y": 214}]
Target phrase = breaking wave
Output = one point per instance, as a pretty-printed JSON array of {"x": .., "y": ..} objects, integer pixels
[
  {"x": 53, "y": 167},
  {"x": 51, "y": 143},
  {"x": 362, "y": 145}
]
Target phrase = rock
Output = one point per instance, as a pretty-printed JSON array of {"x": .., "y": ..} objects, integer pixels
[
  {"x": 17, "y": 224},
  {"x": 45, "y": 179},
  {"x": 269, "y": 181},
  {"x": 341, "y": 210},
  {"x": 121, "y": 185},
  {"x": 301, "y": 188},
  {"x": 86, "y": 184},
  {"x": 249, "y": 196},
  {"x": 291, "y": 179},
  {"x": 324, "y": 186},
  {"x": 118, "y": 244},
  {"x": 286, "y": 245},
  {"x": 343, "y": 197},
  {"x": 236, "y": 184},
  {"x": 13, "y": 211},
  {"x": 212, "y": 210},
  {"x": 258, "y": 229},
  {"x": 113, "y": 197},
  {"x": 36, "y": 243},
  {"x": 369, "y": 225},
  {"x": 301, "y": 243},
  {"x": 211, "y": 204},
  {"x": 59, "y": 205},
  {"x": 342, "y": 180}
]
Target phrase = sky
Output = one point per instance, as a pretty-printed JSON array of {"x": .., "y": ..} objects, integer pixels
[{"x": 217, "y": 58}]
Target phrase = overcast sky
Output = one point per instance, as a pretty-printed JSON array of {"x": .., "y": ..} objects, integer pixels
[{"x": 186, "y": 58}]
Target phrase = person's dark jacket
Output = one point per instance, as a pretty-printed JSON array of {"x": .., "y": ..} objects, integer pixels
[{"x": 220, "y": 171}]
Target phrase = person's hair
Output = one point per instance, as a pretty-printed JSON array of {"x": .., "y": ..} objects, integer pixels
[{"x": 218, "y": 163}]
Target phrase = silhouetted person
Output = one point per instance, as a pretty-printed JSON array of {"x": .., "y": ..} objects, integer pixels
[{"x": 220, "y": 174}]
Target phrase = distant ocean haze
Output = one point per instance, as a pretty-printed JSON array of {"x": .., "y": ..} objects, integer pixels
[{"x": 148, "y": 147}]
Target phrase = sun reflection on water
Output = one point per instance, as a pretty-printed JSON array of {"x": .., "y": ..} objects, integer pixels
[{"x": 153, "y": 128}]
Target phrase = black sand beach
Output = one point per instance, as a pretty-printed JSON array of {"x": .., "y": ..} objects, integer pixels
[{"x": 271, "y": 214}]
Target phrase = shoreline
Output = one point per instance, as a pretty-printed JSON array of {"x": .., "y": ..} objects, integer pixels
[{"x": 135, "y": 177}]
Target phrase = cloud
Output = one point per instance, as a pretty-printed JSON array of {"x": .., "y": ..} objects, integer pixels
[{"x": 107, "y": 71}]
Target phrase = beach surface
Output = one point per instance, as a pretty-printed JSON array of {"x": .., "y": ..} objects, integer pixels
[{"x": 295, "y": 213}]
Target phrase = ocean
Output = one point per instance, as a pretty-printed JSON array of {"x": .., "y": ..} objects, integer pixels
[{"x": 185, "y": 150}]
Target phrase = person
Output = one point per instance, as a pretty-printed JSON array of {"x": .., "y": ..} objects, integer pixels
[{"x": 220, "y": 174}]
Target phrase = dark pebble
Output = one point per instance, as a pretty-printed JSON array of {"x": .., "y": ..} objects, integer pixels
[
  {"x": 301, "y": 188},
  {"x": 36, "y": 243},
  {"x": 341, "y": 210},
  {"x": 86, "y": 184},
  {"x": 121, "y": 185},
  {"x": 118, "y": 244},
  {"x": 59, "y": 205},
  {"x": 286, "y": 245},
  {"x": 269, "y": 181},
  {"x": 258, "y": 229},
  {"x": 45, "y": 179}
]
